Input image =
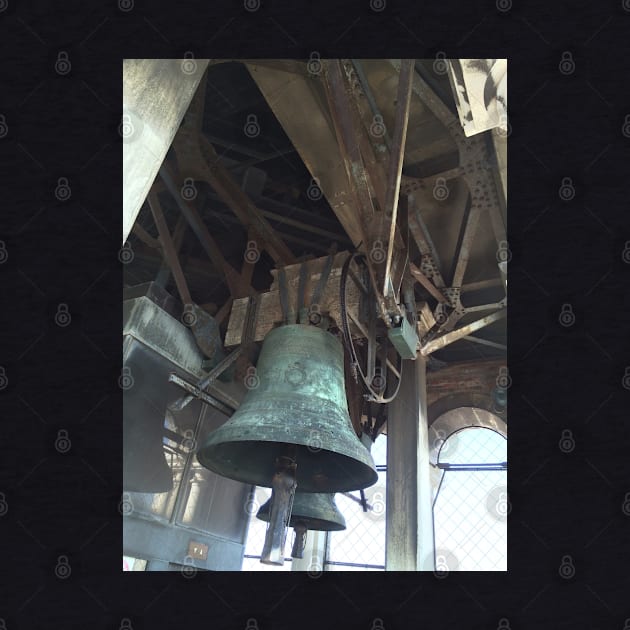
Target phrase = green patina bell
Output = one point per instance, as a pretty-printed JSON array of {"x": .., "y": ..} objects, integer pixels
[
  {"x": 312, "y": 510},
  {"x": 309, "y": 511},
  {"x": 297, "y": 397}
]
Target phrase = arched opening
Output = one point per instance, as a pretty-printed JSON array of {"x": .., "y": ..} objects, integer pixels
[{"x": 470, "y": 505}]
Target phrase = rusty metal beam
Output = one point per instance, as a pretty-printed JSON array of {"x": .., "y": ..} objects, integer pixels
[
  {"x": 485, "y": 342},
  {"x": 484, "y": 307},
  {"x": 427, "y": 284},
  {"x": 224, "y": 311},
  {"x": 409, "y": 184},
  {"x": 467, "y": 235},
  {"x": 429, "y": 97},
  {"x": 423, "y": 240},
  {"x": 465, "y": 146},
  {"x": 401, "y": 122},
  {"x": 347, "y": 134},
  {"x": 462, "y": 332}
]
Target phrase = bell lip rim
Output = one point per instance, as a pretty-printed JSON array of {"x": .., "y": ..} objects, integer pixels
[
  {"x": 337, "y": 526},
  {"x": 266, "y": 483},
  {"x": 324, "y": 524}
]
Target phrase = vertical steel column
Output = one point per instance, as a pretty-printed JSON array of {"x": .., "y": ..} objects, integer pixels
[{"x": 409, "y": 516}]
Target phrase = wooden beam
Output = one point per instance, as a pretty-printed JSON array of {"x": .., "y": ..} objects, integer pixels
[
  {"x": 164, "y": 272},
  {"x": 144, "y": 236},
  {"x": 242, "y": 206},
  {"x": 238, "y": 288},
  {"x": 223, "y": 312},
  {"x": 250, "y": 257}
]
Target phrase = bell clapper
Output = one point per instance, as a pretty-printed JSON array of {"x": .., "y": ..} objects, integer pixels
[
  {"x": 300, "y": 539},
  {"x": 283, "y": 486}
]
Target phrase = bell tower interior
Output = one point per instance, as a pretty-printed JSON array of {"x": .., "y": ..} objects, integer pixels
[{"x": 314, "y": 314}]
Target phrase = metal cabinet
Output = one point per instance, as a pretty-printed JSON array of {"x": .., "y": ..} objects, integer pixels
[{"x": 175, "y": 511}]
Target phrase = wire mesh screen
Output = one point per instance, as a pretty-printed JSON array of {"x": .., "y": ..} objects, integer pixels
[
  {"x": 361, "y": 546},
  {"x": 256, "y": 536},
  {"x": 471, "y": 507}
]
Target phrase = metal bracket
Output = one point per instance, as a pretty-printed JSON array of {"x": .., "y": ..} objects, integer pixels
[
  {"x": 452, "y": 295},
  {"x": 428, "y": 266},
  {"x": 203, "y": 396}
]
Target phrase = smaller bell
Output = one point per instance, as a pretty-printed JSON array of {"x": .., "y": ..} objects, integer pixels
[
  {"x": 313, "y": 511},
  {"x": 317, "y": 511}
]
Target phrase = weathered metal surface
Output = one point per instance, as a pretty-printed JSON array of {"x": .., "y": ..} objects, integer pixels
[
  {"x": 179, "y": 404},
  {"x": 485, "y": 342},
  {"x": 462, "y": 332},
  {"x": 203, "y": 325},
  {"x": 474, "y": 157},
  {"x": 197, "y": 392},
  {"x": 156, "y": 94},
  {"x": 405, "y": 339},
  {"x": 347, "y": 133},
  {"x": 396, "y": 162},
  {"x": 316, "y": 511},
  {"x": 298, "y": 397},
  {"x": 467, "y": 234},
  {"x": 426, "y": 283},
  {"x": 282, "y": 494},
  {"x": 197, "y": 158},
  {"x": 312, "y": 133},
  {"x": 154, "y": 344},
  {"x": 409, "y": 515}
]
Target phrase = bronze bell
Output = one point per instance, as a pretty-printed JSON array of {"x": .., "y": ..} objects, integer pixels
[
  {"x": 310, "y": 511},
  {"x": 316, "y": 511},
  {"x": 297, "y": 406}
]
